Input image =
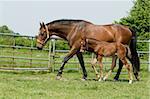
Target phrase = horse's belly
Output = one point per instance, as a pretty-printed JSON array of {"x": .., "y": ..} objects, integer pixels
[
  {"x": 109, "y": 51},
  {"x": 108, "y": 54}
]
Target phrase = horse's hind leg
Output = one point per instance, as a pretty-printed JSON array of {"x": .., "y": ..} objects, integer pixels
[
  {"x": 129, "y": 73},
  {"x": 129, "y": 70},
  {"x": 94, "y": 61},
  {"x": 119, "y": 70},
  {"x": 134, "y": 69},
  {"x": 114, "y": 58}
]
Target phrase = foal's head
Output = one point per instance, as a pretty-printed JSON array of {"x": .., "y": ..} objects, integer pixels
[
  {"x": 43, "y": 36},
  {"x": 83, "y": 44}
]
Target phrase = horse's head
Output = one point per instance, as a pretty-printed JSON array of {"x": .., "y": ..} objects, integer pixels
[{"x": 43, "y": 36}]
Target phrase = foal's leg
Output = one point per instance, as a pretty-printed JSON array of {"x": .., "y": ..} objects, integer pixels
[
  {"x": 124, "y": 61},
  {"x": 101, "y": 67},
  {"x": 114, "y": 58},
  {"x": 134, "y": 69},
  {"x": 94, "y": 61}
]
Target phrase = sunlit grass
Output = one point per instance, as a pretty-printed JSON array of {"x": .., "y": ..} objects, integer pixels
[{"x": 42, "y": 85}]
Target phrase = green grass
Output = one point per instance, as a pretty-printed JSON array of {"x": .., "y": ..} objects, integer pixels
[{"x": 42, "y": 85}]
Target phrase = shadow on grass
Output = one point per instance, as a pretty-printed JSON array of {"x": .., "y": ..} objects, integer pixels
[
  {"x": 111, "y": 80},
  {"x": 25, "y": 72}
]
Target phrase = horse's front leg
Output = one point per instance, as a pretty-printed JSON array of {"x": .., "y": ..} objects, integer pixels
[
  {"x": 81, "y": 61},
  {"x": 101, "y": 67},
  {"x": 113, "y": 65},
  {"x": 72, "y": 52},
  {"x": 93, "y": 63}
]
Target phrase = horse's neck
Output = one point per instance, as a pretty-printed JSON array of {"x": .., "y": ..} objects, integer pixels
[
  {"x": 60, "y": 31},
  {"x": 96, "y": 45},
  {"x": 91, "y": 44}
]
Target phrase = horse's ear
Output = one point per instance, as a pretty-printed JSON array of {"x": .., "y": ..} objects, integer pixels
[
  {"x": 40, "y": 24},
  {"x": 43, "y": 24}
]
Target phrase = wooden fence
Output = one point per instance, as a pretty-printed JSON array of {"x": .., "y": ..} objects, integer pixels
[{"x": 14, "y": 56}]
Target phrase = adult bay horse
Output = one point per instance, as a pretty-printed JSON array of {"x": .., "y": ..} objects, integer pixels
[{"x": 73, "y": 30}]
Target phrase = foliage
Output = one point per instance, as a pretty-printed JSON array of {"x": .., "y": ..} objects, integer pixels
[
  {"x": 61, "y": 45},
  {"x": 5, "y": 29},
  {"x": 139, "y": 18},
  {"x": 20, "y": 41},
  {"x": 24, "y": 41},
  {"x": 11, "y": 40}
]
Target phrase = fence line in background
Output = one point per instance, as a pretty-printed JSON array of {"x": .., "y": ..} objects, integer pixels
[{"x": 51, "y": 53}]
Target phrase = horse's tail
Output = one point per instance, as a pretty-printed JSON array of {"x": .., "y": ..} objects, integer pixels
[{"x": 135, "y": 58}]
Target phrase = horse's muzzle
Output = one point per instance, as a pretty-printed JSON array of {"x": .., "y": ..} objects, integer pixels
[{"x": 39, "y": 46}]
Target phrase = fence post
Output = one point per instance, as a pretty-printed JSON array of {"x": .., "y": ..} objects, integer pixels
[
  {"x": 53, "y": 56},
  {"x": 50, "y": 68},
  {"x": 149, "y": 56},
  {"x": 31, "y": 50},
  {"x": 14, "y": 44}
]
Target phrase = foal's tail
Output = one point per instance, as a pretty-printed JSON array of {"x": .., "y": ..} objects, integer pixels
[
  {"x": 128, "y": 53},
  {"x": 135, "y": 59}
]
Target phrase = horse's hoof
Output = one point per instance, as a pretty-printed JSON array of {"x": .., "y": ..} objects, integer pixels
[
  {"x": 81, "y": 51},
  {"x": 116, "y": 79},
  {"x": 100, "y": 79},
  {"x": 84, "y": 79},
  {"x": 138, "y": 78},
  {"x": 104, "y": 78},
  {"x": 58, "y": 77},
  {"x": 130, "y": 81}
]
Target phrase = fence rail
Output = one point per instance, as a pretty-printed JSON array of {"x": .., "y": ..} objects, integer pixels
[{"x": 49, "y": 57}]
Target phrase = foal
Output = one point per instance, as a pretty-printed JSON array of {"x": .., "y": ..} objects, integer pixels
[{"x": 107, "y": 49}]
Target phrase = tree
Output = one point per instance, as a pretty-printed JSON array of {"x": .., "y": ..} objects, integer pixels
[
  {"x": 139, "y": 18},
  {"x": 5, "y": 29}
]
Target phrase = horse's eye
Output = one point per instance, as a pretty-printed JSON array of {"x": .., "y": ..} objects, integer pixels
[
  {"x": 36, "y": 36},
  {"x": 42, "y": 34}
]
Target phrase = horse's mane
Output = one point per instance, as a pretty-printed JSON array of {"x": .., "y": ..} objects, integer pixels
[{"x": 67, "y": 21}]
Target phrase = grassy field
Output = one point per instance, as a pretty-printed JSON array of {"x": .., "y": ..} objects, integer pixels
[{"x": 42, "y": 85}]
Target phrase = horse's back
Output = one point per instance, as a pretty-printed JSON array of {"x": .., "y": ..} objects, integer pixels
[
  {"x": 106, "y": 49},
  {"x": 109, "y": 33}
]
